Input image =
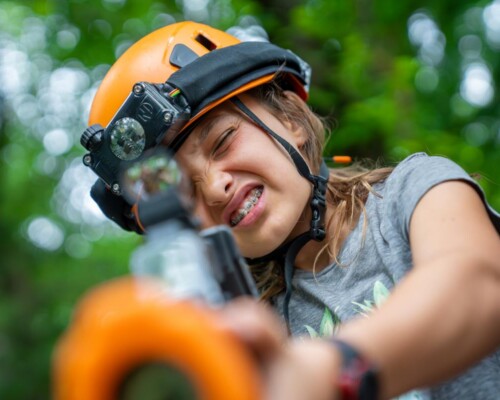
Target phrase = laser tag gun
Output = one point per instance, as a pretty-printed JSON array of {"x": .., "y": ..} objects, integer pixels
[{"x": 154, "y": 335}]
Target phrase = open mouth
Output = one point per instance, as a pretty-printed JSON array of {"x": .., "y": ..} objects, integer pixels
[{"x": 247, "y": 205}]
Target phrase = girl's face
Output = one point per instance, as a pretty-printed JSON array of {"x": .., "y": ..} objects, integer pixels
[{"x": 244, "y": 179}]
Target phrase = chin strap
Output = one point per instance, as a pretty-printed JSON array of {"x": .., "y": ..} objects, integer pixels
[{"x": 288, "y": 251}]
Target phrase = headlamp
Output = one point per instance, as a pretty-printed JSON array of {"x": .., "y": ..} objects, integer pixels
[
  {"x": 128, "y": 139},
  {"x": 150, "y": 112}
]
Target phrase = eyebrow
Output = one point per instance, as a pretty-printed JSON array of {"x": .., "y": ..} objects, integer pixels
[{"x": 205, "y": 130}]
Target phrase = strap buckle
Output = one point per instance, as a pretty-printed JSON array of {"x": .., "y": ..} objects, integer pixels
[{"x": 318, "y": 206}]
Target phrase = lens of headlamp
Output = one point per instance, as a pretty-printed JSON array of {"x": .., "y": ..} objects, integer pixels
[
  {"x": 151, "y": 175},
  {"x": 128, "y": 139}
]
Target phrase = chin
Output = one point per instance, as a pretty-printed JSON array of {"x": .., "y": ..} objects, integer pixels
[
  {"x": 255, "y": 246},
  {"x": 257, "y": 250}
]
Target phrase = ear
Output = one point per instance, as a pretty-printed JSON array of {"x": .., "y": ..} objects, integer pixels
[
  {"x": 297, "y": 131},
  {"x": 295, "y": 128}
]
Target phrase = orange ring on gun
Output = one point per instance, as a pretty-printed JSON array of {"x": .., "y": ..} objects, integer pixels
[{"x": 130, "y": 322}]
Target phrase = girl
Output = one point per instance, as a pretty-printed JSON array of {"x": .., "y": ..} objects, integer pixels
[{"x": 327, "y": 246}]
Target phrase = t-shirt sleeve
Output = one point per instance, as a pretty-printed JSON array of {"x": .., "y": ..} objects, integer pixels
[{"x": 413, "y": 178}]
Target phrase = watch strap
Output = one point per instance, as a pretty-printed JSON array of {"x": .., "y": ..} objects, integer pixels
[{"x": 358, "y": 378}]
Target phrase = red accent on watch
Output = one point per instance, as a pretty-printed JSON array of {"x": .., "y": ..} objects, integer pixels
[{"x": 358, "y": 377}]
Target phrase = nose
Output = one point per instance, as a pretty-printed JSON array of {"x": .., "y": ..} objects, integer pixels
[{"x": 217, "y": 187}]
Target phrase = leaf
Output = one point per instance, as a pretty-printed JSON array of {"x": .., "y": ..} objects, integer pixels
[
  {"x": 365, "y": 308},
  {"x": 380, "y": 293},
  {"x": 329, "y": 323},
  {"x": 312, "y": 332},
  {"x": 326, "y": 327},
  {"x": 336, "y": 319}
]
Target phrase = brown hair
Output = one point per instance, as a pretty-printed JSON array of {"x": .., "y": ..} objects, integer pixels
[{"x": 347, "y": 190}]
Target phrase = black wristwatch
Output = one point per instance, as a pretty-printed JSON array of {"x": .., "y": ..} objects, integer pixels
[{"x": 358, "y": 378}]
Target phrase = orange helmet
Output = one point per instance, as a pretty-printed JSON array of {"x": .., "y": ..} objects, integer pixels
[{"x": 158, "y": 56}]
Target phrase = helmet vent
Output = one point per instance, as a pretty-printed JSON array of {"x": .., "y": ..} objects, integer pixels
[
  {"x": 205, "y": 42},
  {"x": 182, "y": 55}
]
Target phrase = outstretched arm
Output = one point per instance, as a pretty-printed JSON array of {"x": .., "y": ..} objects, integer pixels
[
  {"x": 445, "y": 315},
  {"x": 441, "y": 319}
]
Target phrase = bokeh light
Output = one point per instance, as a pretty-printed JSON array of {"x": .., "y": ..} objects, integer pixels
[
  {"x": 477, "y": 85},
  {"x": 425, "y": 35},
  {"x": 45, "y": 234},
  {"x": 491, "y": 17}
]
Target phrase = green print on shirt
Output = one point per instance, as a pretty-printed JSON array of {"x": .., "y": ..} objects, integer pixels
[
  {"x": 330, "y": 324},
  {"x": 380, "y": 294},
  {"x": 331, "y": 321}
]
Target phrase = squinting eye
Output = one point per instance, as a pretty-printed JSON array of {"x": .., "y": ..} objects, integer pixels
[{"x": 219, "y": 145}]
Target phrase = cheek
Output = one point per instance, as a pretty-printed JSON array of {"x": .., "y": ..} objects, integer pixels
[{"x": 201, "y": 213}]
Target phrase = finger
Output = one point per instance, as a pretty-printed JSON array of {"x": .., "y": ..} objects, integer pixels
[{"x": 255, "y": 324}]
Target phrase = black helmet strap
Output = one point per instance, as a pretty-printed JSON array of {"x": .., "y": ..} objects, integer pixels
[{"x": 220, "y": 72}]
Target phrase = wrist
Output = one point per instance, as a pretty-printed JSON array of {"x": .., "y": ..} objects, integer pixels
[{"x": 358, "y": 377}]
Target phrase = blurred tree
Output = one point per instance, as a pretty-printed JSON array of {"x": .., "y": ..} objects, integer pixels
[{"x": 393, "y": 77}]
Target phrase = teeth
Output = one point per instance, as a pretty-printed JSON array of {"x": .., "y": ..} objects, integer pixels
[{"x": 250, "y": 201}]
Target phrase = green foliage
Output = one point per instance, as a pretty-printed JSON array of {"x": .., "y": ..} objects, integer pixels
[{"x": 387, "y": 95}]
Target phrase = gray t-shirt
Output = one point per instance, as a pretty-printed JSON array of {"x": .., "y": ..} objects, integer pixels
[{"x": 375, "y": 264}]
